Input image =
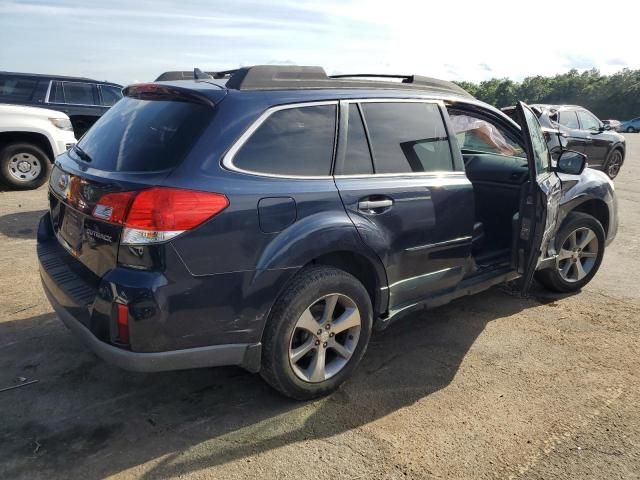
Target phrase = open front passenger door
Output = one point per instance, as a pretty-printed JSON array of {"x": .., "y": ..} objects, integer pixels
[{"x": 536, "y": 224}]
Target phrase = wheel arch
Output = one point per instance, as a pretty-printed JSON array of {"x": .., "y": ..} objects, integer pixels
[
  {"x": 328, "y": 239},
  {"x": 621, "y": 147},
  {"x": 38, "y": 139},
  {"x": 596, "y": 208},
  {"x": 362, "y": 268}
]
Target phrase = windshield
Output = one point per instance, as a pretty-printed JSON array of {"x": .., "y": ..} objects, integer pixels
[{"x": 143, "y": 135}]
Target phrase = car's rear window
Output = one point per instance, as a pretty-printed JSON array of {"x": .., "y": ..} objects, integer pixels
[
  {"x": 144, "y": 135},
  {"x": 293, "y": 141}
]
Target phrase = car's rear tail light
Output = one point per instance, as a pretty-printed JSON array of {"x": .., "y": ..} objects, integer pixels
[
  {"x": 158, "y": 214},
  {"x": 122, "y": 320}
]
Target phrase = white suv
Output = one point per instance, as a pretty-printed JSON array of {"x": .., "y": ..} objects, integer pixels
[{"x": 30, "y": 139}]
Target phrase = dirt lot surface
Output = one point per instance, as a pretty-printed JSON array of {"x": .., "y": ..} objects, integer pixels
[{"x": 491, "y": 386}]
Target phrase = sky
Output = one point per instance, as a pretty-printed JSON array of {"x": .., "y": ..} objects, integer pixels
[{"x": 131, "y": 41}]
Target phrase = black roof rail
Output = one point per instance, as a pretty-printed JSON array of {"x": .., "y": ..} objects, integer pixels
[
  {"x": 417, "y": 80},
  {"x": 284, "y": 77},
  {"x": 224, "y": 73},
  {"x": 281, "y": 77},
  {"x": 272, "y": 77},
  {"x": 370, "y": 75}
]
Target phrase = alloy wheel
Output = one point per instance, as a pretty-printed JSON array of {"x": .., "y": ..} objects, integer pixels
[
  {"x": 613, "y": 167},
  {"x": 578, "y": 254},
  {"x": 24, "y": 167},
  {"x": 324, "y": 338}
]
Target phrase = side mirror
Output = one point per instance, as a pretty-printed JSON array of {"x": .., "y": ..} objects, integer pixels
[
  {"x": 571, "y": 162},
  {"x": 604, "y": 127}
]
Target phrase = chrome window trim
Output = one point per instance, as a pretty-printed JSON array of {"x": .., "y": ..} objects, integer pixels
[
  {"x": 434, "y": 101},
  {"x": 66, "y": 103},
  {"x": 435, "y": 175},
  {"x": 46, "y": 97},
  {"x": 227, "y": 158}
]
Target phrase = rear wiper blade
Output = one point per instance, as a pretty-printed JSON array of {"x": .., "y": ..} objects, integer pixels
[{"x": 81, "y": 153}]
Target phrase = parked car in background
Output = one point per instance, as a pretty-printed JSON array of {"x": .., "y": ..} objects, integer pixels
[
  {"x": 82, "y": 99},
  {"x": 188, "y": 75},
  {"x": 553, "y": 136},
  {"x": 274, "y": 221},
  {"x": 30, "y": 139},
  {"x": 630, "y": 126},
  {"x": 581, "y": 131},
  {"x": 611, "y": 124}
]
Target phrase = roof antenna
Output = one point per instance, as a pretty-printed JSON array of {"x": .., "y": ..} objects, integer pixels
[{"x": 200, "y": 75}]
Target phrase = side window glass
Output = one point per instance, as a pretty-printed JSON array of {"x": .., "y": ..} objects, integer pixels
[
  {"x": 78, "y": 93},
  {"x": 540, "y": 150},
  {"x": 16, "y": 88},
  {"x": 357, "y": 158},
  {"x": 569, "y": 119},
  {"x": 407, "y": 137},
  {"x": 110, "y": 95},
  {"x": 479, "y": 135},
  {"x": 294, "y": 141},
  {"x": 588, "y": 121}
]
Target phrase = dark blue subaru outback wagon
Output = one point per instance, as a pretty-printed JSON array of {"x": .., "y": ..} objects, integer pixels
[{"x": 272, "y": 217}]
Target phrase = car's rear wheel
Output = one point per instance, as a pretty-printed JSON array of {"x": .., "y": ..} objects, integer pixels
[
  {"x": 612, "y": 167},
  {"x": 317, "y": 333},
  {"x": 23, "y": 166},
  {"x": 580, "y": 244}
]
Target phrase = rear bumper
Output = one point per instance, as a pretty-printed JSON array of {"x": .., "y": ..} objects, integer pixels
[
  {"x": 244, "y": 355},
  {"x": 160, "y": 339}
]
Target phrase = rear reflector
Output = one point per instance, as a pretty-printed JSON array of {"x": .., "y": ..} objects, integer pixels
[
  {"x": 123, "y": 323},
  {"x": 158, "y": 214}
]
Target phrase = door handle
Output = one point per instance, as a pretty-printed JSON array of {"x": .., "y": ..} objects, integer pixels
[{"x": 368, "y": 205}]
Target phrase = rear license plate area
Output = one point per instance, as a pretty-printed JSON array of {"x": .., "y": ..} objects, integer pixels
[{"x": 71, "y": 228}]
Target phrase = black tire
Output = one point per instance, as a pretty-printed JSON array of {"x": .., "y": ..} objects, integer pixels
[
  {"x": 9, "y": 175},
  {"x": 630, "y": 130},
  {"x": 614, "y": 163},
  {"x": 551, "y": 278},
  {"x": 310, "y": 285}
]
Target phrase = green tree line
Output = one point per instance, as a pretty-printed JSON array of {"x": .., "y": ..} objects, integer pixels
[{"x": 614, "y": 96}]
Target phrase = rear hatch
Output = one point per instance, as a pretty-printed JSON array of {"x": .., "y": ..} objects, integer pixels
[{"x": 131, "y": 149}]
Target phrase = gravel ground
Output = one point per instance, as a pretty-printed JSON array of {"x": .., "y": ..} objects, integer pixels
[{"x": 490, "y": 386}]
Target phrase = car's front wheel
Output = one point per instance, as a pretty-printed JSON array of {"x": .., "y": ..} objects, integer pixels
[
  {"x": 630, "y": 130},
  {"x": 580, "y": 245},
  {"x": 23, "y": 166},
  {"x": 317, "y": 333}
]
